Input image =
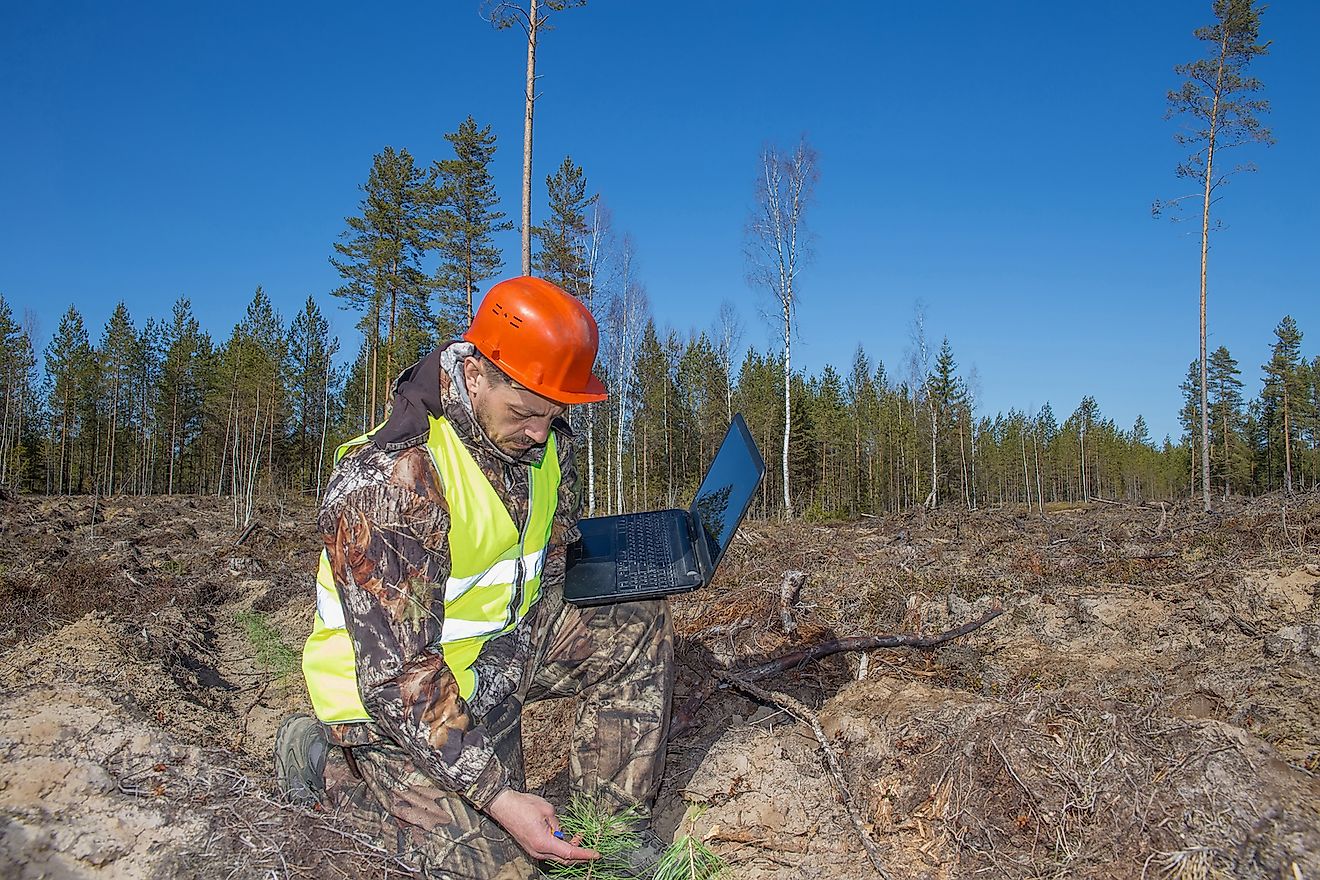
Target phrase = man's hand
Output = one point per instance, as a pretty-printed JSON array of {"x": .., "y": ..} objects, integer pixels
[{"x": 531, "y": 821}]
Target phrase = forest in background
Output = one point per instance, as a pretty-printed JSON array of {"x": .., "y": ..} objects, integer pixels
[{"x": 160, "y": 406}]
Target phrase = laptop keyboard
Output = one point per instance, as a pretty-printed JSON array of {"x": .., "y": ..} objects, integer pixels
[{"x": 643, "y": 562}]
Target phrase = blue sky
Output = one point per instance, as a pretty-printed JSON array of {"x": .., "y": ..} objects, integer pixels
[{"x": 996, "y": 162}]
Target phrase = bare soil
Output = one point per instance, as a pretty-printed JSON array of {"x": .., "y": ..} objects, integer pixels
[{"x": 1147, "y": 706}]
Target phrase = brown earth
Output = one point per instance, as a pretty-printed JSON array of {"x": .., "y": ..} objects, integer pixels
[{"x": 1146, "y": 707}]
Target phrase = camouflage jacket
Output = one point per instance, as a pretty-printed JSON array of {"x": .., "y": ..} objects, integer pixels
[{"x": 385, "y": 525}]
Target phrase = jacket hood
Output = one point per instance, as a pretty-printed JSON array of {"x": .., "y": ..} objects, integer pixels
[{"x": 434, "y": 386}]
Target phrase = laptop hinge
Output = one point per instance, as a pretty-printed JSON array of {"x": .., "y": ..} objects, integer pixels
[{"x": 697, "y": 537}]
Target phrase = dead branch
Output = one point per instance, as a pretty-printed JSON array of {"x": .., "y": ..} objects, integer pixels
[
  {"x": 247, "y": 532},
  {"x": 863, "y": 643},
  {"x": 1164, "y": 514},
  {"x": 683, "y": 719},
  {"x": 789, "y": 590},
  {"x": 784, "y": 701}
]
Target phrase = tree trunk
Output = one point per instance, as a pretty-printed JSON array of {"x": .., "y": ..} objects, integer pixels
[
  {"x": 533, "y": 25},
  {"x": 1287, "y": 440},
  {"x": 1205, "y": 251},
  {"x": 325, "y": 424},
  {"x": 788, "y": 410},
  {"x": 174, "y": 434}
]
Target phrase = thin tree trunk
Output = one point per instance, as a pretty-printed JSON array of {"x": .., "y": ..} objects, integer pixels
[
  {"x": 533, "y": 25},
  {"x": 788, "y": 409},
  {"x": 1026, "y": 480},
  {"x": 174, "y": 435},
  {"x": 1205, "y": 251},
  {"x": 1040, "y": 496},
  {"x": 1287, "y": 440},
  {"x": 325, "y": 424}
]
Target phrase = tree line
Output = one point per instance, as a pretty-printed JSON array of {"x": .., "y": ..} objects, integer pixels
[{"x": 161, "y": 406}]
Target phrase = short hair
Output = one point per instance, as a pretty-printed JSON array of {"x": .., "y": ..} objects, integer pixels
[{"x": 493, "y": 372}]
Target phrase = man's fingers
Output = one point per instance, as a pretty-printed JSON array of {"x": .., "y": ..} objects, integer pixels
[{"x": 562, "y": 851}]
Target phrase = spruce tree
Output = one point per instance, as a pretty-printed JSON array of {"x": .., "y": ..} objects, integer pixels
[
  {"x": 71, "y": 371},
  {"x": 1226, "y": 412},
  {"x": 309, "y": 372}
]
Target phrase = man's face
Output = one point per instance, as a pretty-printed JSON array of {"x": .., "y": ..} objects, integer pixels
[{"x": 514, "y": 418}]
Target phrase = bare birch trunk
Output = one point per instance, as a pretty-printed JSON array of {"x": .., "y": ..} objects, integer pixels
[{"x": 788, "y": 410}]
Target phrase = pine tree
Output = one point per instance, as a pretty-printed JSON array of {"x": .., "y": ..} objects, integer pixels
[
  {"x": 382, "y": 252},
  {"x": 1226, "y": 412},
  {"x": 1283, "y": 390},
  {"x": 561, "y": 257},
  {"x": 468, "y": 222},
  {"x": 533, "y": 20},
  {"x": 1217, "y": 99}
]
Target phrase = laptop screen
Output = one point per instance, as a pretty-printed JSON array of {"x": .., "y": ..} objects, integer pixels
[{"x": 728, "y": 488}]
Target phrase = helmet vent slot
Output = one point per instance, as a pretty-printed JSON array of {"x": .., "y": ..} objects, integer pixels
[{"x": 514, "y": 320}]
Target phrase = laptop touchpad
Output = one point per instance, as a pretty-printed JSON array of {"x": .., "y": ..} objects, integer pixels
[{"x": 598, "y": 540}]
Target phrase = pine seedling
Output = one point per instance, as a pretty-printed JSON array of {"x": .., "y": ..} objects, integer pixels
[
  {"x": 689, "y": 859},
  {"x": 608, "y": 832}
]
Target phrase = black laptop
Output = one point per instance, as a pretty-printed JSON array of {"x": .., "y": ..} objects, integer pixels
[{"x": 648, "y": 555}]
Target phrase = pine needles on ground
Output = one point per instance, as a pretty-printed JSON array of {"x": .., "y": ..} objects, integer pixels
[{"x": 609, "y": 833}]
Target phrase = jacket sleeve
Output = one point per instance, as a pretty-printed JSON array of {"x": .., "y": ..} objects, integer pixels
[{"x": 389, "y": 551}]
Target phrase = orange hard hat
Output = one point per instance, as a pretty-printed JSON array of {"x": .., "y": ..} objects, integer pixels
[{"x": 539, "y": 336}]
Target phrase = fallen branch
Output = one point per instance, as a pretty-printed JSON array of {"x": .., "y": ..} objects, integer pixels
[
  {"x": 684, "y": 717},
  {"x": 247, "y": 532},
  {"x": 802, "y": 713}
]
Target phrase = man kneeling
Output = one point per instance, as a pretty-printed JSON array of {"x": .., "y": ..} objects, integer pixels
[{"x": 440, "y": 611}]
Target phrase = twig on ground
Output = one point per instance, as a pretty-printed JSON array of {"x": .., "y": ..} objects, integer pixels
[{"x": 784, "y": 701}]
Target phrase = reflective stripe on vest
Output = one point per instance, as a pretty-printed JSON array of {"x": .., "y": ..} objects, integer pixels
[{"x": 495, "y": 575}]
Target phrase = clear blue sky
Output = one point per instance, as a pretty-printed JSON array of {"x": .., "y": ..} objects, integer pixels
[{"x": 994, "y": 161}]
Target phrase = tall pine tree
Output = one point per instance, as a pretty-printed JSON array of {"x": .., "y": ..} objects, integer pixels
[{"x": 468, "y": 222}]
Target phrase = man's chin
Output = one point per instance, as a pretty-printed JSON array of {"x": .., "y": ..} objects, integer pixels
[{"x": 514, "y": 451}]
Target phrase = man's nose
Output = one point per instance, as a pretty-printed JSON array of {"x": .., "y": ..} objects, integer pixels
[{"x": 539, "y": 431}]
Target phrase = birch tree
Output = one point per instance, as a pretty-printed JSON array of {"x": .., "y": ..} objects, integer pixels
[
  {"x": 1217, "y": 102},
  {"x": 777, "y": 247}
]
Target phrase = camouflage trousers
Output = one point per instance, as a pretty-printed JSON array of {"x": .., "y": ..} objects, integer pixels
[{"x": 615, "y": 660}]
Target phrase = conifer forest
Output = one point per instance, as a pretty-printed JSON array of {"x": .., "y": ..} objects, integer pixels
[{"x": 155, "y": 404}]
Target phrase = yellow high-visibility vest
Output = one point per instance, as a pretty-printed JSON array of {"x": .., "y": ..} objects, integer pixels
[{"x": 494, "y": 578}]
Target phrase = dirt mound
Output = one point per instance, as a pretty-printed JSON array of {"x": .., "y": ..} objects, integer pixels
[
  {"x": 82, "y": 790},
  {"x": 1145, "y": 707}
]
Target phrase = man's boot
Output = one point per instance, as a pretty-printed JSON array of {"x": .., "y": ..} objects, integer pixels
[{"x": 300, "y": 751}]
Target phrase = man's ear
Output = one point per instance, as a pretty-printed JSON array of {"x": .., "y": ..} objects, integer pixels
[{"x": 472, "y": 376}]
